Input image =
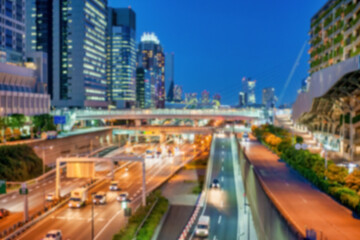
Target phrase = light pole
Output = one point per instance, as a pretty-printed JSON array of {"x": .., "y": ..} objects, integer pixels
[
  {"x": 92, "y": 215},
  {"x": 43, "y": 148}
]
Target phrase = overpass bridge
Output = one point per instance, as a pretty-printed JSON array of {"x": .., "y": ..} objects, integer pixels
[{"x": 246, "y": 114}]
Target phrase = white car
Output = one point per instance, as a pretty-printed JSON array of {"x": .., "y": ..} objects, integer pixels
[
  {"x": 50, "y": 197},
  {"x": 215, "y": 183},
  {"x": 123, "y": 196},
  {"x": 203, "y": 226},
  {"x": 245, "y": 137},
  {"x": 53, "y": 235},
  {"x": 114, "y": 186},
  {"x": 99, "y": 198}
]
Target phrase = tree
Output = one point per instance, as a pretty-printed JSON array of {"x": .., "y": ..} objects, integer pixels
[
  {"x": 352, "y": 181},
  {"x": 336, "y": 174},
  {"x": 43, "y": 122},
  {"x": 17, "y": 120},
  {"x": 299, "y": 139},
  {"x": 8, "y": 133},
  {"x": 16, "y": 133}
]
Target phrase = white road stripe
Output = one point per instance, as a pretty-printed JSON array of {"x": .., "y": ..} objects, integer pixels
[
  {"x": 219, "y": 220},
  {"x": 4, "y": 200},
  {"x": 106, "y": 225},
  {"x": 222, "y": 179}
]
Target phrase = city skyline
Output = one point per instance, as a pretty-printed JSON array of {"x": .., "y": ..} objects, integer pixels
[{"x": 194, "y": 64}]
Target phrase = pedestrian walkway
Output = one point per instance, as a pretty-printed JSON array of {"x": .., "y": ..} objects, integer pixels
[
  {"x": 298, "y": 201},
  {"x": 182, "y": 201}
]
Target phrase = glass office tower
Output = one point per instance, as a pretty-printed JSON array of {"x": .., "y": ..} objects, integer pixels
[
  {"x": 12, "y": 31},
  {"x": 121, "y": 57},
  {"x": 151, "y": 57},
  {"x": 79, "y": 53}
]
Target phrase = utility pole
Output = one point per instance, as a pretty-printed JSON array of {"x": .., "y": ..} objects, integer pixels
[
  {"x": 143, "y": 184},
  {"x": 92, "y": 216}
]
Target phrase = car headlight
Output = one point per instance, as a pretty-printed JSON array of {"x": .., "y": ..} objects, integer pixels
[{"x": 69, "y": 204}]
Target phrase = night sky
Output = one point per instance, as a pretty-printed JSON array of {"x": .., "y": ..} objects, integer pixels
[{"x": 216, "y": 43}]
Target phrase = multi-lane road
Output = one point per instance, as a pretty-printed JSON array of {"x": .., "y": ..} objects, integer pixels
[
  {"x": 14, "y": 202},
  {"x": 224, "y": 206},
  {"x": 109, "y": 218}
]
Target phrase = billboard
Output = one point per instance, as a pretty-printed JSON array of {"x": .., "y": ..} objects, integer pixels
[
  {"x": 59, "y": 120},
  {"x": 80, "y": 170}
]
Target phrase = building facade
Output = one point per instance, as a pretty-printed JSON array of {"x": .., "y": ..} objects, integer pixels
[
  {"x": 121, "y": 57},
  {"x": 178, "y": 93},
  {"x": 328, "y": 106},
  {"x": 268, "y": 97},
  {"x": 334, "y": 34},
  {"x": 248, "y": 88},
  {"x": 169, "y": 76},
  {"x": 79, "y": 54},
  {"x": 205, "y": 98},
  {"x": 39, "y": 24},
  {"x": 12, "y": 31},
  {"x": 242, "y": 99},
  {"x": 143, "y": 88},
  {"x": 151, "y": 57},
  {"x": 19, "y": 91}
]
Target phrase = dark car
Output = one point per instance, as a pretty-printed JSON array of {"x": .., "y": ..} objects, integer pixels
[
  {"x": 3, "y": 213},
  {"x": 215, "y": 183}
]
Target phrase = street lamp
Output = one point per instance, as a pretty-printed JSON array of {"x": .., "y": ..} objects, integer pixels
[
  {"x": 43, "y": 148},
  {"x": 92, "y": 215}
]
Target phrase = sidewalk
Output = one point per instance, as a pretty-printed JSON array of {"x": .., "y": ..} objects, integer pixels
[
  {"x": 298, "y": 201},
  {"x": 182, "y": 201}
]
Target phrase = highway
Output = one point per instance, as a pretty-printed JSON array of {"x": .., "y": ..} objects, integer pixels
[
  {"x": 14, "y": 202},
  {"x": 225, "y": 206},
  {"x": 109, "y": 218}
]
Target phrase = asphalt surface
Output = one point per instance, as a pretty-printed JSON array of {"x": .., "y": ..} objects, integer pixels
[
  {"x": 108, "y": 218},
  {"x": 298, "y": 201},
  {"x": 14, "y": 202},
  {"x": 222, "y": 204}
]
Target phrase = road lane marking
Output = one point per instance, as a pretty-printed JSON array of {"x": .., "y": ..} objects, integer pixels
[
  {"x": 107, "y": 224},
  {"x": 37, "y": 186},
  {"x": 4, "y": 200},
  {"x": 219, "y": 220},
  {"x": 214, "y": 238},
  {"x": 13, "y": 196},
  {"x": 222, "y": 168},
  {"x": 222, "y": 179}
]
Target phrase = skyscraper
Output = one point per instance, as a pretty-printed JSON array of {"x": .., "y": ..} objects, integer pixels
[
  {"x": 169, "y": 76},
  {"x": 143, "y": 88},
  {"x": 121, "y": 56},
  {"x": 248, "y": 88},
  {"x": 151, "y": 57},
  {"x": 268, "y": 97},
  {"x": 178, "y": 93},
  {"x": 242, "y": 99},
  {"x": 205, "y": 98},
  {"x": 12, "y": 30},
  {"x": 79, "y": 53},
  {"x": 39, "y": 24}
]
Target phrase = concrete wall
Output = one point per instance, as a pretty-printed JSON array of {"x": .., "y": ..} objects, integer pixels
[
  {"x": 269, "y": 223},
  {"x": 72, "y": 145}
]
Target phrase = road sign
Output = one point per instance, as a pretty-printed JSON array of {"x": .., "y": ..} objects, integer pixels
[
  {"x": 298, "y": 146},
  {"x": 23, "y": 191},
  {"x": 59, "y": 120},
  {"x": 2, "y": 186}
]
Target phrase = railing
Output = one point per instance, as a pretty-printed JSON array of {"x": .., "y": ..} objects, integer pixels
[{"x": 215, "y": 112}]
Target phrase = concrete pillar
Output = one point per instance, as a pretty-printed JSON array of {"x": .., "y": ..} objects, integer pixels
[
  {"x": 137, "y": 123},
  {"x": 136, "y": 136},
  {"x": 162, "y": 137},
  {"x": 196, "y": 123}
]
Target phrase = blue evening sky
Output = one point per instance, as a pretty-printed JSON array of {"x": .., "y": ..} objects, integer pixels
[{"x": 216, "y": 43}]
